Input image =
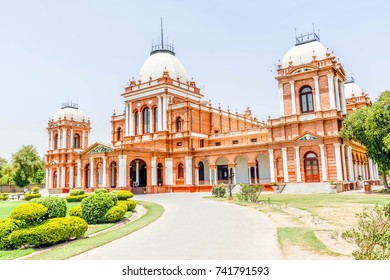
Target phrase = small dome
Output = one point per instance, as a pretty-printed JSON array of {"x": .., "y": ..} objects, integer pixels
[
  {"x": 352, "y": 90},
  {"x": 69, "y": 113},
  {"x": 156, "y": 64},
  {"x": 303, "y": 53}
]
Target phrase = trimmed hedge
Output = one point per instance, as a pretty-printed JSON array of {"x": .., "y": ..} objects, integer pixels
[
  {"x": 123, "y": 205},
  {"x": 76, "y": 198},
  {"x": 131, "y": 204},
  {"x": 124, "y": 195},
  {"x": 76, "y": 192},
  {"x": 100, "y": 191},
  {"x": 29, "y": 212},
  {"x": 114, "y": 214},
  {"x": 218, "y": 191},
  {"x": 4, "y": 196},
  {"x": 29, "y": 196},
  {"x": 95, "y": 206},
  {"x": 7, "y": 226},
  {"x": 56, "y": 206},
  {"x": 49, "y": 232},
  {"x": 76, "y": 211}
]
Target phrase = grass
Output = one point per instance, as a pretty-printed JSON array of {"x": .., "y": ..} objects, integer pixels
[
  {"x": 77, "y": 247},
  {"x": 7, "y": 206},
  {"x": 15, "y": 254}
]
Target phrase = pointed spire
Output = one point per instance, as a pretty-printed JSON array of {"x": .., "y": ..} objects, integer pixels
[
  {"x": 162, "y": 47},
  {"x": 162, "y": 33}
]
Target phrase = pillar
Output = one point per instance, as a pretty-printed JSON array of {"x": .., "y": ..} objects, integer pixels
[
  {"x": 91, "y": 173},
  {"x": 188, "y": 160},
  {"x": 272, "y": 165},
  {"x": 211, "y": 176},
  {"x": 255, "y": 169},
  {"x": 122, "y": 171},
  {"x": 317, "y": 93},
  {"x": 51, "y": 140},
  {"x": 298, "y": 165},
  {"x": 281, "y": 100},
  {"x": 343, "y": 101},
  {"x": 47, "y": 178},
  {"x": 63, "y": 176},
  {"x": 331, "y": 91},
  {"x": 285, "y": 164},
  {"x": 58, "y": 177},
  {"x": 293, "y": 103},
  {"x": 140, "y": 116},
  {"x": 78, "y": 174},
  {"x": 104, "y": 181},
  {"x": 338, "y": 161},
  {"x": 131, "y": 119},
  {"x": 154, "y": 171},
  {"x": 71, "y": 139},
  {"x": 336, "y": 83},
  {"x": 351, "y": 176},
  {"x": 50, "y": 179},
  {"x": 196, "y": 175},
  {"x": 160, "y": 113},
  {"x": 137, "y": 171},
  {"x": 234, "y": 178},
  {"x": 83, "y": 140},
  {"x": 127, "y": 127},
  {"x": 169, "y": 171},
  {"x": 343, "y": 162},
  {"x": 64, "y": 138},
  {"x": 323, "y": 163},
  {"x": 165, "y": 107},
  {"x": 215, "y": 176},
  {"x": 71, "y": 177}
]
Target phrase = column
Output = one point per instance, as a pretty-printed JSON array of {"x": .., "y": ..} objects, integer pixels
[
  {"x": 160, "y": 113},
  {"x": 285, "y": 166},
  {"x": 234, "y": 178},
  {"x": 338, "y": 161},
  {"x": 331, "y": 91},
  {"x": 323, "y": 163},
  {"x": 343, "y": 101},
  {"x": 249, "y": 175},
  {"x": 293, "y": 103},
  {"x": 137, "y": 171},
  {"x": 343, "y": 161},
  {"x": 47, "y": 178},
  {"x": 122, "y": 171},
  {"x": 370, "y": 169},
  {"x": 356, "y": 170},
  {"x": 154, "y": 171},
  {"x": 63, "y": 177},
  {"x": 215, "y": 176},
  {"x": 127, "y": 128},
  {"x": 51, "y": 140},
  {"x": 164, "y": 112},
  {"x": 196, "y": 175},
  {"x": 139, "y": 131},
  {"x": 71, "y": 139},
  {"x": 351, "y": 177},
  {"x": 64, "y": 138},
  {"x": 83, "y": 140},
  {"x": 211, "y": 176},
  {"x": 50, "y": 179},
  {"x": 298, "y": 165},
  {"x": 169, "y": 171},
  {"x": 91, "y": 173},
  {"x": 281, "y": 100},
  {"x": 317, "y": 93},
  {"x": 78, "y": 174},
  {"x": 255, "y": 168},
  {"x": 336, "y": 83},
  {"x": 131, "y": 120},
  {"x": 58, "y": 177},
  {"x": 104, "y": 181},
  {"x": 188, "y": 160},
  {"x": 71, "y": 177},
  {"x": 271, "y": 165},
  {"x": 151, "y": 120}
]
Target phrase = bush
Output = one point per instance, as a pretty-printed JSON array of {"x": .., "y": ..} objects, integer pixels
[
  {"x": 35, "y": 190},
  {"x": 76, "y": 211},
  {"x": 250, "y": 193},
  {"x": 76, "y": 192},
  {"x": 76, "y": 198},
  {"x": 29, "y": 196},
  {"x": 100, "y": 191},
  {"x": 131, "y": 204},
  {"x": 95, "y": 207},
  {"x": 7, "y": 226},
  {"x": 29, "y": 212},
  {"x": 218, "y": 191},
  {"x": 114, "y": 214},
  {"x": 4, "y": 196},
  {"x": 123, "y": 205},
  {"x": 49, "y": 232},
  {"x": 372, "y": 236},
  {"x": 124, "y": 195},
  {"x": 56, "y": 206}
]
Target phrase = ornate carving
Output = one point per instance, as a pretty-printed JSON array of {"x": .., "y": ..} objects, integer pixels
[
  {"x": 307, "y": 137},
  {"x": 100, "y": 149}
]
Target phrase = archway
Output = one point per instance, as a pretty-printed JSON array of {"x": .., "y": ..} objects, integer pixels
[
  {"x": 55, "y": 174},
  {"x": 113, "y": 174},
  {"x": 138, "y": 173},
  {"x": 264, "y": 171},
  {"x": 312, "y": 173},
  {"x": 160, "y": 181},
  {"x": 242, "y": 175},
  {"x": 222, "y": 170},
  {"x": 204, "y": 172}
]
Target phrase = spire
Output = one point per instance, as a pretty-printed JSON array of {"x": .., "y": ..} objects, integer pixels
[
  {"x": 162, "y": 47},
  {"x": 162, "y": 33}
]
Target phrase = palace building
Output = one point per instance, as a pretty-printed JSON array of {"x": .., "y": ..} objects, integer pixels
[{"x": 170, "y": 139}]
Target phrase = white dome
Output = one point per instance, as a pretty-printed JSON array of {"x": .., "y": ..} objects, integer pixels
[
  {"x": 302, "y": 54},
  {"x": 156, "y": 64},
  {"x": 352, "y": 90},
  {"x": 69, "y": 112}
]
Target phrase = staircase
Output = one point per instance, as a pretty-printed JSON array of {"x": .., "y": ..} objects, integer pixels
[{"x": 306, "y": 188}]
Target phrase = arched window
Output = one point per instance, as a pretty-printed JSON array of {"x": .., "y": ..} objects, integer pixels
[
  {"x": 178, "y": 124},
  {"x": 306, "y": 97},
  {"x": 119, "y": 134},
  {"x": 56, "y": 141},
  {"x": 76, "y": 141},
  {"x": 146, "y": 120},
  {"x": 180, "y": 171},
  {"x": 155, "y": 116},
  {"x": 136, "y": 119}
]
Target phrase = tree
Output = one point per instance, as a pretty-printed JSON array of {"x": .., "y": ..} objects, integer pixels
[
  {"x": 27, "y": 166},
  {"x": 7, "y": 174},
  {"x": 370, "y": 127}
]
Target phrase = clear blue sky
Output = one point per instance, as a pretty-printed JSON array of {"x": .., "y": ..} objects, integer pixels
[{"x": 86, "y": 51}]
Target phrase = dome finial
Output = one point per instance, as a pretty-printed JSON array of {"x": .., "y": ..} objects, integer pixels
[{"x": 162, "y": 47}]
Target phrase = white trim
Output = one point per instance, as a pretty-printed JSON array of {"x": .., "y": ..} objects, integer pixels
[
  {"x": 338, "y": 161},
  {"x": 298, "y": 165},
  {"x": 293, "y": 102},
  {"x": 323, "y": 163},
  {"x": 285, "y": 164},
  {"x": 317, "y": 93},
  {"x": 281, "y": 100},
  {"x": 272, "y": 165}
]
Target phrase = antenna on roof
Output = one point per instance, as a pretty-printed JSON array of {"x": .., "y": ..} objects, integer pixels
[
  {"x": 162, "y": 34},
  {"x": 314, "y": 31}
]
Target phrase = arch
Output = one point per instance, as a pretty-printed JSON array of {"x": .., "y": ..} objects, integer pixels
[
  {"x": 113, "y": 174},
  {"x": 204, "y": 172},
  {"x": 87, "y": 176},
  {"x": 76, "y": 141},
  {"x": 264, "y": 171},
  {"x": 138, "y": 173},
  {"x": 222, "y": 170},
  {"x": 54, "y": 183},
  {"x": 146, "y": 120},
  {"x": 311, "y": 167},
  {"x": 160, "y": 169},
  {"x": 155, "y": 118},
  {"x": 242, "y": 175},
  {"x": 306, "y": 99},
  {"x": 56, "y": 141},
  {"x": 118, "y": 134},
  {"x": 180, "y": 171},
  {"x": 179, "y": 122}
]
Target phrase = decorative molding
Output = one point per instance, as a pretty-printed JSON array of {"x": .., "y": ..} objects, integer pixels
[
  {"x": 100, "y": 149},
  {"x": 307, "y": 137}
]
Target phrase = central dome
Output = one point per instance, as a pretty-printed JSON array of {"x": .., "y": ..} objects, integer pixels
[
  {"x": 67, "y": 111},
  {"x": 160, "y": 61},
  {"x": 303, "y": 53},
  {"x": 352, "y": 89}
]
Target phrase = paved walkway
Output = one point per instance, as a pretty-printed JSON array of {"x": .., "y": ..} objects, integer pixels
[{"x": 196, "y": 228}]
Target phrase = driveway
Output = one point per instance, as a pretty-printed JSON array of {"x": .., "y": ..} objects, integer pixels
[{"x": 195, "y": 228}]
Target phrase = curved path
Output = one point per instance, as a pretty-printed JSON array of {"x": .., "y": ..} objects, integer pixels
[{"x": 193, "y": 228}]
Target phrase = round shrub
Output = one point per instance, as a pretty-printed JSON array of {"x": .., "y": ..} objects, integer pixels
[
  {"x": 7, "y": 226},
  {"x": 123, "y": 205},
  {"x": 114, "y": 197},
  {"x": 76, "y": 198},
  {"x": 29, "y": 196},
  {"x": 124, "y": 195},
  {"x": 49, "y": 232},
  {"x": 131, "y": 204},
  {"x": 218, "y": 191},
  {"x": 95, "y": 206},
  {"x": 56, "y": 206},
  {"x": 114, "y": 214},
  {"x": 4, "y": 196},
  {"x": 35, "y": 190},
  {"x": 76, "y": 192},
  {"x": 29, "y": 212},
  {"x": 100, "y": 191},
  {"x": 76, "y": 211}
]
